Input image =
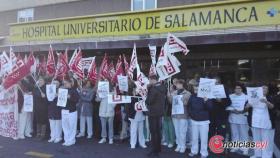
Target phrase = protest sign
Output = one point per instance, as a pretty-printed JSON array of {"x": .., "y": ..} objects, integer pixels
[
  {"x": 205, "y": 87},
  {"x": 62, "y": 97},
  {"x": 237, "y": 102},
  {"x": 177, "y": 105},
  {"x": 50, "y": 91},
  {"x": 28, "y": 103},
  {"x": 254, "y": 96},
  {"x": 118, "y": 99},
  {"x": 218, "y": 91},
  {"x": 123, "y": 83},
  {"x": 103, "y": 89}
]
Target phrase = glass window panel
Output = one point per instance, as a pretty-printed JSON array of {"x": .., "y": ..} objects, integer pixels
[
  {"x": 150, "y": 4},
  {"x": 138, "y": 5}
]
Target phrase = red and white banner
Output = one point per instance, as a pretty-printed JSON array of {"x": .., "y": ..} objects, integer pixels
[
  {"x": 86, "y": 62},
  {"x": 50, "y": 63},
  {"x": 6, "y": 65},
  {"x": 152, "y": 71},
  {"x": 140, "y": 106},
  {"x": 126, "y": 65},
  {"x": 62, "y": 67},
  {"x": 111, "y": 71},
  {"x": 176, "y": 45},
  {"x": 133, "y": 63},
  {"x": 104, "y": 68},
  {"x": 119, "y": 70},
  {"x": 13, "y": 58},
  {"x": 9, "y": 112}
]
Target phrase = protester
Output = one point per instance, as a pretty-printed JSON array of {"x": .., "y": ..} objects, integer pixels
[
  {"x": 87, "y": 94},
  {"x": 219, "y": 115},
  {"x": 180, "y": 121},
  {"x": 124, "y": 122},
  {"x": 238, "y": 118},
  {"x": 69, "y": 114},
  {"x": 261, "y": 119},
  {"x": 198, "y": 109},
  {"x": 277, "y": 118},
  {"x": 136, "y": 118},
  {"x": 106, "y": 114},
  {"x": 155, "y": 103},
  {"x": 54, "y": 115},
  {"x": 25, "y": 118},
  {"x": 40, "y": 108}
]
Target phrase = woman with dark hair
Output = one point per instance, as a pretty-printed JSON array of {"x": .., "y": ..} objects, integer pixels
[
  {"x": 86, "y": 110},
  {"x": 40, "y": 108},
  {"x": 238, "y": 117},
  {"x": 261, "y": 119},
  {"x": 54, "y": 114}
]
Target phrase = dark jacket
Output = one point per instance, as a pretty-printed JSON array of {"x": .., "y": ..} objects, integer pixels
[
  {"x": 276, "y": 100},
  {"x": 219, "y": 113},
  {"x": 131, "y": 112},
  {"x": 40, "y": 106},
  {"x": 54, "y": 111},
  {"x": 199, "y": 109},
  {"x": 271, "y": 113},
  {"x": 155, "y": 100},
  {"x": 72, "y": 101}
]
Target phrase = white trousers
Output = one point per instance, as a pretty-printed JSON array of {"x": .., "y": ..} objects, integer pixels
[
  {"x": 25, "y": 124},
  {"x": 69, "y": 126},
  {"x": 137, "y": 128},
  {"x": 239, "y": 132},
  {"x": 83, "y": 121},
  {"x": 56, "y": 129},
  {"x": 264, "y": 135},
  {"x": 181, "y": 128},
  {"x": 200, "y": 131}
]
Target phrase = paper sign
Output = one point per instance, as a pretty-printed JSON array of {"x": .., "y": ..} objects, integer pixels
[
  {"x": 103, "y": 89},
  {"x": 205, "y": 87},
  {"x": 237, "y": 102},
  {"x": 218, "y": 91},
  {"x": 118, "y": 99},
  {"x": 27, "y": 103},
  {"x": 140, "y": 106},
  {"x": 62, "y": 97},
  {"x": 177, "y": 105},
  {"x": 51, "y": 91},
  {"x": 123, "y": 83},
  {"x": 254, "y": 96}
]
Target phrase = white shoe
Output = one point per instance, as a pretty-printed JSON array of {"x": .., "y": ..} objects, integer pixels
[
  {"x": 80, "y": 135},
  {"x": 147, "y": 140},
  {"x": 245, "y": 152},
  {"x": 253, "y": 156},
  {"x": 177, "y": 149},
  {"x": 15, "y": 138},
  {"x": 28, "y": 135},
  {"x": 111, "y": 141},
  {"x": 51, "y": 140},
  {"x": 57, "y": 140},
  {"x": 102, "y": 141},
  {"x": 203, "y": 156},
  {"x": 182, "y": 150},
  {"x": 21, "y": 137},
  {"x": 191, "y": 154},
  {"x": 64, "y": 144},
  {"x": 233, "y": 150},
  {"x": 132, "y": 146},
  {"x": 170, "y": 145},
  {"x": 143, "y": 146},
  {"x": 69, "y": 144},
  {"x": 89, "y": 136},
  {"x": 164, "y": 144}
]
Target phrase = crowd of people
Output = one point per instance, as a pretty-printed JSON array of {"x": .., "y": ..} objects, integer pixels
[{"x": 202, "y": 117}]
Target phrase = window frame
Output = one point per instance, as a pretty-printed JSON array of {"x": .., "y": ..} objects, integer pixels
[
  {"x": 143, "y": 7},
  {"x": 26, "y": 19}
]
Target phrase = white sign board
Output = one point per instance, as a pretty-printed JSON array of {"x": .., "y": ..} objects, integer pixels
[
  {"x": 237, "y": 102},
  {"x": 140, "y": 106},
  {"x": 205, "y": 87},
  {"x": 62, "y": 97},
  {"x": 103, "y": 89},
  {"x": 123, "y": 83},
  {"x": 27, "y": 103},
  {"x": 254, "y": 96},
  {"x": 177, "y": 105},
  {"x": 218, "y": 91},
  {"x": 51, "y": 91},
  {"x": 118, "y": 99}
]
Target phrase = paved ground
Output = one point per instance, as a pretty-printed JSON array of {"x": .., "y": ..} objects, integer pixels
[{"x": 10, "y": 148}]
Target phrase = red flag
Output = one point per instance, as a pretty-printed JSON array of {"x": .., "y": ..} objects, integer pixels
[
  {"x": 77, "y": 66},
  {"x": 104, "y": 68},
  {"x": 42, "y": 65},
  {"x": 19, "y": 73},
  {"x": 92, "y": 73},
  {"x": 111, "y": 71},
  {"x": 66, "y": 55},
  {"x": 126, "y": 65},
  {"x": 51, "y": 63},
  {"x": 119, "y": 70},
  {"x": 62, "y": 67}
]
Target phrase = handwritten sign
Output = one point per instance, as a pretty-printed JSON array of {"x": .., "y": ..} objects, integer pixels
[
  {"x": 140, "y": 106},
  {"x": 103, "y": 89},
  {"x": 218, "y": 91},
  {"x": 237, "y": 102},
  {"x": 205, "y": 87},
  {"x": 123, "y": 83},
  {"x": 254, "y": 96},
  {"x": 62, "y": 97},
  {"x": 27, "y": 103},
  {"x": 177, "y": 105},
  {"x": 51, "y": 91}
]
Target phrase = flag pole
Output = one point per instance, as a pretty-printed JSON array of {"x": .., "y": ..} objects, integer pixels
[
  {"x": 36, "y": 83},
  {"x": 20, "y": 88}
]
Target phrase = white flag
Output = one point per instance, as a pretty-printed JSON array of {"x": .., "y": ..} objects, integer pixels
[
  {"x": 176, "y": 45},
  {"x": 153, "y": 53},
  {"x": 133, "y": 62}
]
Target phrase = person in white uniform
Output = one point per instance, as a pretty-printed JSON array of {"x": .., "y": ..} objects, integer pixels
[
  {"x": 261, "y": 116},
  {"x": 238, "y": 117}
]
